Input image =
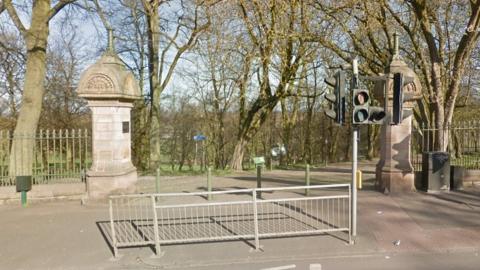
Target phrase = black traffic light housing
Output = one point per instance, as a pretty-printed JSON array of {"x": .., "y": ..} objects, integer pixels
[
  {"x": 363, "y": 113},
  {"x": 397, "y": 98},
  {"x": 337, "y": 98},
  {"x": 361, "y": 101},
  {"x": 399, "y": 81}
]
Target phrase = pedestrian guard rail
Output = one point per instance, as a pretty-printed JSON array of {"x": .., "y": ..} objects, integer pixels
[{"x": 243, "y": 214}]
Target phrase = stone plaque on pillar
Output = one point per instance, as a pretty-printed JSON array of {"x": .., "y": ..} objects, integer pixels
[
  {"x": 110, "y": 90},
  {"x": 394, "y": 171}
]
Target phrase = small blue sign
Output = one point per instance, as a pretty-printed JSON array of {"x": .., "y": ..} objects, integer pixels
[{"x": 199, "y": 137}]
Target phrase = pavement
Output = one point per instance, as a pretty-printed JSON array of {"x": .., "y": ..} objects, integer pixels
[{"x": 412, "y": 231}]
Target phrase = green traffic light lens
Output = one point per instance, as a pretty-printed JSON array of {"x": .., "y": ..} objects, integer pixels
[{"x": 360, "y": 115}]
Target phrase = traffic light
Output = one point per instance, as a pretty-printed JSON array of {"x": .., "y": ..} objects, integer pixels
[
  {"x": 363, "y": 113},
  {"x": 337, "y": 98},
  {"x": 361, "y": 101},
  {"x": 397, "y": 98},
  {"x": 399, "y": 82}
]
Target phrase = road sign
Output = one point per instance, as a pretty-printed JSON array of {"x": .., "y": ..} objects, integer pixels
[{"x": 199, "y": 137}]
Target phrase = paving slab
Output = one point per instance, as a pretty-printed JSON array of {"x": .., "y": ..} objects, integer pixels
[{"x": 68, "y": 235}]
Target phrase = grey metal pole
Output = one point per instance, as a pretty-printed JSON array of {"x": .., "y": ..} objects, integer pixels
[
  {"x": 201, "y": 163},
  {"x": 354, "y": 181},
  {"x": 158, "y": 251},
  {"x": 203, "y": 155},
  {"x": 196, "y": 151},
  {"x": 325, "y": 152},
  {"x": 354, "y": 158},
  {"x": 157, "y": 181},
  {"x": 255, "y": 219},
  {"x": 209, "y": 183},
  {"x": 307, "y": 179},
  {"x": 259, "y": 180}
]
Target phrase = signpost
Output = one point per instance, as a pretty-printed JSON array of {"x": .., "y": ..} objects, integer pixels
[
  {"x": 201, "y": 138},
  {"x": 259, "y": 163}
]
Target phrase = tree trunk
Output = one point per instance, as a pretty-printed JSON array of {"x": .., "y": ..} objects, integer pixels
[
  {"x": 237, "y": 159},
  {"x": 154, "y": 80},
  {"x": 21, "y": 157},
  {"x": 220, "y": 159},
  {"x": 307, "y": 143},
  {"x": 141, "y": 140},
  {"x": 373, "y": 133}
]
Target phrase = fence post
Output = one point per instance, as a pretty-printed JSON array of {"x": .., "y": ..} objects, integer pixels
[
  {"x": 350, "y": 215},
  {"x": 307, "y": 179},
  {"x": 209, "y": 183},
  {"x": 155, "y": 229},
  {"x": 157, "y": 183},
  {"x": 112, "y": 229},
  {"x": 255, "y": 220},
  {"x": 259, "y": 180}
]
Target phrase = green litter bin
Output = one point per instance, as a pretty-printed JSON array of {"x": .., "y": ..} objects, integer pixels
[{"x": 24, "y": 183}]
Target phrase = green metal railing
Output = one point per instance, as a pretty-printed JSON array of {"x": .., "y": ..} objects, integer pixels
[
  {"x": 59, "y": 156},
  {"x": 463, "y": 144}
]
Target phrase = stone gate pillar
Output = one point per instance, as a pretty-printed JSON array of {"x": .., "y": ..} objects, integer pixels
[
  {"x": 110, "y": 90},
  {"x": 394, "y": 171}
]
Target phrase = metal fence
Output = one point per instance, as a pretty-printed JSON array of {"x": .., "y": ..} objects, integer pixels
[
  {"x": 59, "y": 156},
  {"x": 463, "y": 144},
  {"x": 157, "y": 219}
]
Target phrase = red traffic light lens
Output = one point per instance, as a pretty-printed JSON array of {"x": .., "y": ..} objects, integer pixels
[{"x": 361, "y": 98}]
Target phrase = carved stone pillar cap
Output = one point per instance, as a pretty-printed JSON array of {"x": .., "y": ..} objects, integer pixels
[{"x": 108, "y": 79}]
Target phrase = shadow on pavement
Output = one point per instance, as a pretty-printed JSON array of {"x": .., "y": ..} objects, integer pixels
[
  {"x": 103, "y": 227},
  {"x": 340, "y": 170},
  {"x": 469, "y": 199}
]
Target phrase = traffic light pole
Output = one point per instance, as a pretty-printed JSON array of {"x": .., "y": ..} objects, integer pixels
[{"x": 353, "y": 201}]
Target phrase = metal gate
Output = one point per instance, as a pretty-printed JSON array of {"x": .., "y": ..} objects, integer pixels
[{"x": 156, "y": 219}]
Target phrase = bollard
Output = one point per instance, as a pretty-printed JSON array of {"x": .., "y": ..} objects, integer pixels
[
  {"x": 359, "y": 179},
  {"x": 307, "y": 179},
  {"x": 259, "y": 180},
  {"x": 209, "y": 183}
]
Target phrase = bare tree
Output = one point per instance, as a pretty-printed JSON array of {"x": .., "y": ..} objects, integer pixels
[
  {"x": 12, "y": 61},
  {"x": 189, "y": 22},
  {"x": 276, "y": 30},
  {"x": 438, "y": 41},
  {"x": 215, "y": 80},
  {"x": 62, "y": 108},
  {"x": 36, "y": 38}
]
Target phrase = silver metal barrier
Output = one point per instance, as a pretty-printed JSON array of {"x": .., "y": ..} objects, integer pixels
[{"x": 156, "y": 219}]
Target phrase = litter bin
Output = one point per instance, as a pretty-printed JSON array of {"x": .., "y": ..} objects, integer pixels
[
  {"x": 436, "y": 171},
  {"x": 457, "y": 174},
  {"x": 23, "y": 183}
]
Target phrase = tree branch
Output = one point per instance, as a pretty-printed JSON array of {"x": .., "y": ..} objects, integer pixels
[
  {"x": 2, "y": 7},
  {"x": 55, "y": 9},
  {"x": 191, "y": 41},
  {"x": 101, "y": 14},
  {"x": 12, "y": 12}
]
